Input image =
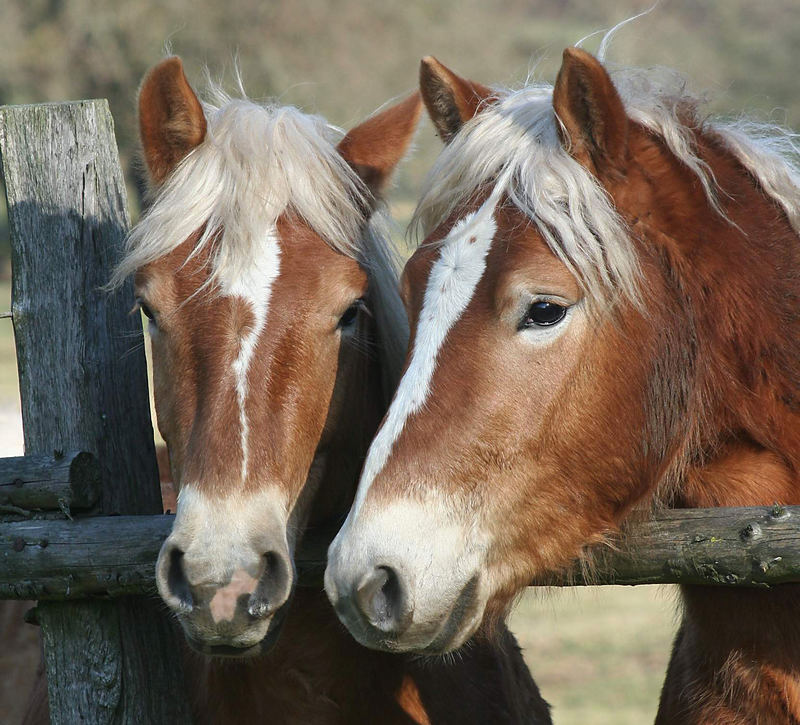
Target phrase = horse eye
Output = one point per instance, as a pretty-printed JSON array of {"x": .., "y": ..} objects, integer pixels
[
  {"x": 146, "y": 311},
  {"x": 350, "y": 314},
  {"x": 543, "y": 314}
]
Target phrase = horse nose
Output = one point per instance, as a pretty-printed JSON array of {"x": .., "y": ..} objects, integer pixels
[
  {"x": 382, "y": 599},
  {"x": 273, "y": 588},
  {"x": 185, "y": 586},
  {"x": 172, "y": 581}
]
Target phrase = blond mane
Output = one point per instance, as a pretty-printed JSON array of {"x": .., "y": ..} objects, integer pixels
[
  {"x": 516, "y": 140},
  {"x": 258, "y": 162}
]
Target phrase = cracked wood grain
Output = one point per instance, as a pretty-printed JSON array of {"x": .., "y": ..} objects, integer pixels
[{"x": 83, "y": 386}]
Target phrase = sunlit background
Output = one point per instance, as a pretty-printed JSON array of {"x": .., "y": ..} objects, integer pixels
[{"x": 598, "y": 655}]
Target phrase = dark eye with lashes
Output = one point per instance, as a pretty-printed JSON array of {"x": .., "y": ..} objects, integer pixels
[
  {"x": 146, "y": 311},
  {"x": 543, "y": 313},
  {"x": 348, "y": 319}
]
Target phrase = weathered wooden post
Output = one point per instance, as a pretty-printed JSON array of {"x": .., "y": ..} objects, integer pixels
[{"x": 83, "y": 387}]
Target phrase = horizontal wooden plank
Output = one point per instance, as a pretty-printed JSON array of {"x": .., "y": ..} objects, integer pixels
[
  {"x": 99, "y": 555},
  {"x": 115, "y": 555},
  {"x": 756, "y": 547},
  {"x": 63, "y": 481}
]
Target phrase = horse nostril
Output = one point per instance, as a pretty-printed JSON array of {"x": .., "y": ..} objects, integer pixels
[
  {"x": 273, "y": 588},
  {"x": 381, "y": 598},
  {"x": 177, "y": 583}
]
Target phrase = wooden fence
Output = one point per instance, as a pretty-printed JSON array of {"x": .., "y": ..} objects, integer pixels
[
  {"x": 83, "y": 387},
  {"x": 80, "y": 521}
]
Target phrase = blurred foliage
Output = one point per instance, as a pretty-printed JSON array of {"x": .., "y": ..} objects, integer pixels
[{"x": 345, "y": 58}]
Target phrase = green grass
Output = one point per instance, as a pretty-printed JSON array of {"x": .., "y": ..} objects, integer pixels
[{"x": 598, "y": 654}]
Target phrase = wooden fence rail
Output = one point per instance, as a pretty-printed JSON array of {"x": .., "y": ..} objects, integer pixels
[
  {"x": 63, "y": 482},
  {"x": 115, "y": 555}
]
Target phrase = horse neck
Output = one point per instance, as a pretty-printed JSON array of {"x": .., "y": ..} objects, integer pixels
[
  {"x": 747, "y": 404},
  {"x": 743, "y": 474},
  {"x": 736, "y": 654}
]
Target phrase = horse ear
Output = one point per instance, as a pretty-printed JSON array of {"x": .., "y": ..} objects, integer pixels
[
  {"x": 171, "y": 119},
  {"x": 451, "y": 100},
  {"x": 376, "y": 146},
  {"x": 594, "y": 123}
]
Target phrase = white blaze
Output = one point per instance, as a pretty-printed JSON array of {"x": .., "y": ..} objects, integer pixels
[
  {"x": 451, "y": 285},
  {"x": 254, "y": 286}
]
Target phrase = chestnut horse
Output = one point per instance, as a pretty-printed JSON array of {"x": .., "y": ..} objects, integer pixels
[
  {"x": 605, "y": 317},
  {"x": 277, "y": 336}
]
